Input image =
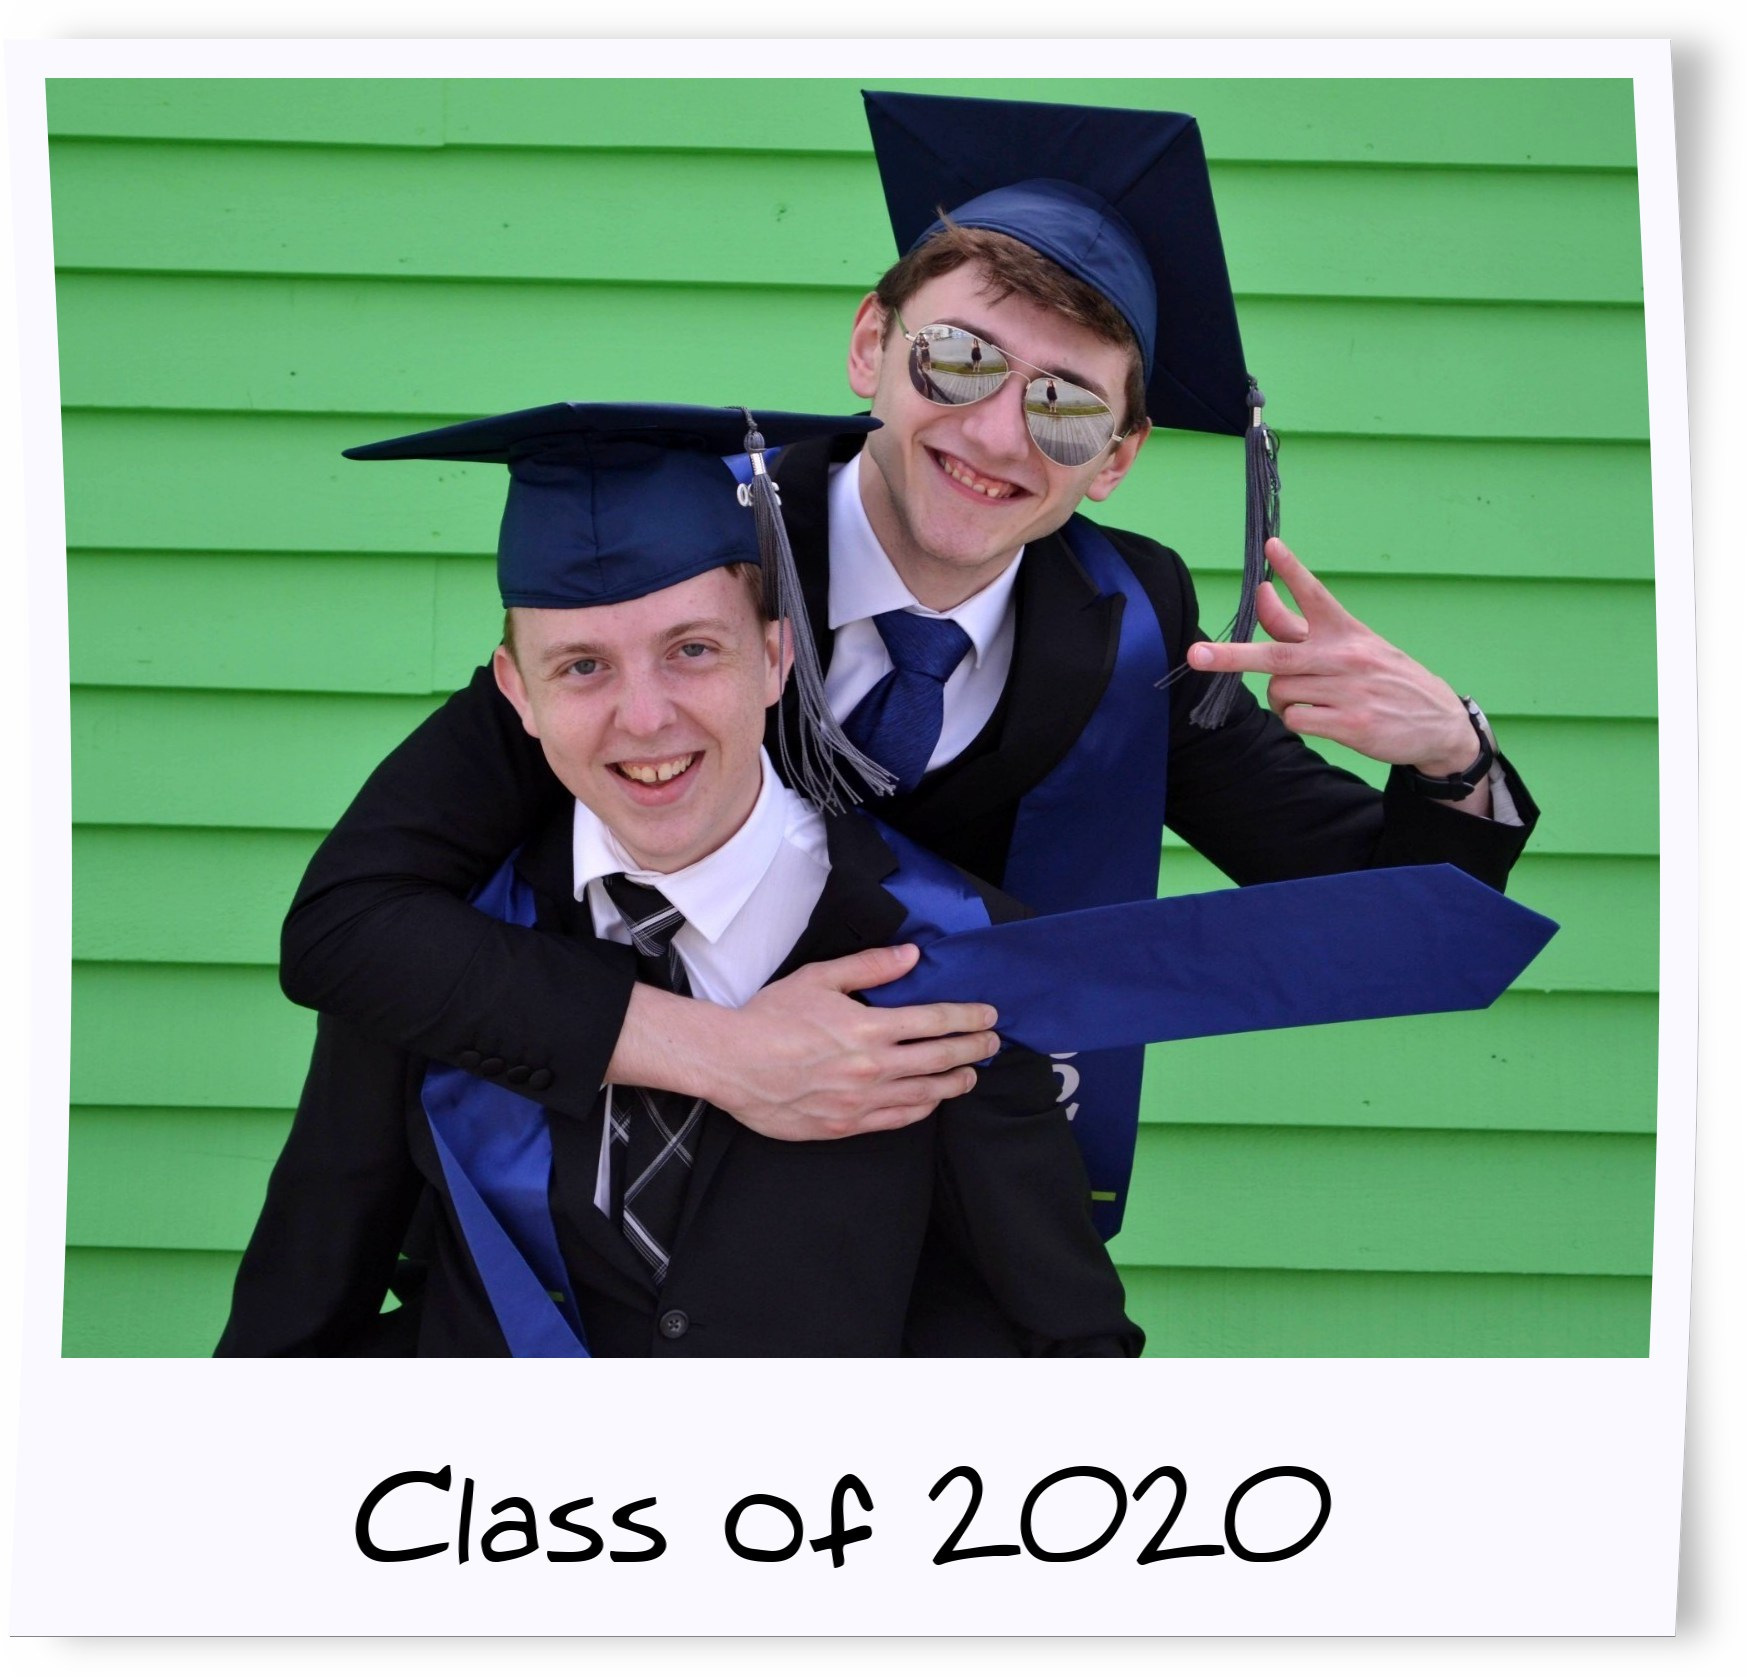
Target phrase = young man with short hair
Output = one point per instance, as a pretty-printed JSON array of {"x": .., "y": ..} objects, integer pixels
[{"x": 641, "y": 658}]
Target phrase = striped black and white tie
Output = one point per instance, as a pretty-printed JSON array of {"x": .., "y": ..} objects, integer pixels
[{"x": 654, "y": 1131}]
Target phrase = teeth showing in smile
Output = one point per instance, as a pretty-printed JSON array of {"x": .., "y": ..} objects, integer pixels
[
  {"x": 656, "y": 774},
  {"x": 959, "y": 472}
]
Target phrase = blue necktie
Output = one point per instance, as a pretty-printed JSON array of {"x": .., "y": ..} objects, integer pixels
[{"x": 898, "y": 722}]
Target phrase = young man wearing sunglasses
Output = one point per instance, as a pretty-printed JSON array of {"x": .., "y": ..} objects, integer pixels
[{"x": 1032, "y": 736}]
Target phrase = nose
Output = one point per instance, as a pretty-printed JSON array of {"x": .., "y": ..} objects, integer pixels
[
  {"x": 997, "y": 423},
  {"x": 644, "y": 705}
]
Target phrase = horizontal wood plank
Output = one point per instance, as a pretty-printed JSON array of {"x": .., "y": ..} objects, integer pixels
[
  {"x": 391, "y": 626},
  {"x": 144, "y": 1303},
  {"x": 195, "y": 1036},
  {"x": 1293, "y": 1313},
  {"x": 1531, "y": 1061},
  {"x": 765, "y": 219},
  {"x": 442, "y": 350},
  {"x": 1431, "y": 1200},
  {"x": 121, "y": 1303},
  {"x": 186, "y": 1036},
  {"x": 233, "y": 760},
  {"x": 1504, "y": 123},
  {"x": 1204, "y": 1196},
  {"x": 169, "y": 1180},
  {"x": 145, "y": 756}
]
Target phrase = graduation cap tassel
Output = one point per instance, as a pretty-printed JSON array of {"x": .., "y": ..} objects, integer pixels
[
  {"x": 814, "y": 765},
  {"x": 1261, "y": 520}
]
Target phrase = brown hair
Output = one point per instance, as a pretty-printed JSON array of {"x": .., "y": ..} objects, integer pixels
[
  {"x": 1014, "y": 269},
  {"x": 748, "y": 575}
]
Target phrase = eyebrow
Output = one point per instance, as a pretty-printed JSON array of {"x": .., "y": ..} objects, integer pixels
[
  {"x": 568, "y": 651},
  {"x": 1066, "y": 373}
]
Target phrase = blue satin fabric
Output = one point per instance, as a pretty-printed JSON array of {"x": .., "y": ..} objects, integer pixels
[
  {"x": 496, "y": 1153},
  {"x": 1088, "y": 834},
  {"x": 1371, "y": 945}
]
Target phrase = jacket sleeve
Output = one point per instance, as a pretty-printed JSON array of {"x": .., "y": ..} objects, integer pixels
[
  {"x": 380, "y": 932},
  {"x": 1013, "y": 1265},
  {"x": 1261, "y": 805}
]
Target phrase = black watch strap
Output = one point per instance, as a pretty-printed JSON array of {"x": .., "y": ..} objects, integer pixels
[{"x": 1452, "y": 788}]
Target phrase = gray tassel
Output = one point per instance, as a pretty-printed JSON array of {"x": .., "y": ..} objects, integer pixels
[
  {"x": 1261, "y": 520},
  {"x": 815, "y": 765}
]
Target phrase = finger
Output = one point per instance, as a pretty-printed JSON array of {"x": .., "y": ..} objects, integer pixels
[
  {"x": 924, "y": 1020},
  {"x": 1277, "y": 618},
  {"x": 1314, "y": 721},
  {"x": 1271, "y": 657},
  {"x": 1307, "y": 688},
  {"x": 867, "y": 970},
  {"x": 1314, "y": 600},
  {"x": 938, "y": 1054},
  {"x": 932, "y": 1091}
]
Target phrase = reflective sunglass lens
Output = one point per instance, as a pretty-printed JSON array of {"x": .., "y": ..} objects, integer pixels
[
  {"x": 1071, "y": 425},
  {"x": 953, "y": 367}
]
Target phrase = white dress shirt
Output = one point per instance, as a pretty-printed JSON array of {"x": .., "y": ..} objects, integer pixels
[
  {"x": 864, "y": 584},
  {"x": 745, "y": 904}
]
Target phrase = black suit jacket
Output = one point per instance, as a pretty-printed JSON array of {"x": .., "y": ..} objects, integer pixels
[
  {"x": 967, "y": 1233},
  {"x": 379, "y": 934}
]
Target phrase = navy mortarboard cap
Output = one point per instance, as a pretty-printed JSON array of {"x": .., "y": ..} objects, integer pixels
[
  {"x": 612, "y": 501},
  {"x": 1121, "y": 200}
]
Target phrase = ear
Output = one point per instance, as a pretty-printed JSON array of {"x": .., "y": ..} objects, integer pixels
[
  {"x": 867, "y": 342},
  {"x": 779, "y": 653},
  {"x": 1115, "y": 469},
  {"x": 511, "y": 685}
]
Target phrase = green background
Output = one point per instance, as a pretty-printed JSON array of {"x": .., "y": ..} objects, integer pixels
[{"x": 1440, "y": 290}]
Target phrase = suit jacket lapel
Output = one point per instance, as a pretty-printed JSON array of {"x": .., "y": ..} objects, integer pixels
[
  {"x": 1063, "y": 654},
  {"x": 853, "y": 913}
]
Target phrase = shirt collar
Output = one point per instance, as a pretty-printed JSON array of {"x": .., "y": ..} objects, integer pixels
[
  {"x": 864, "y": 582},
  {"x": 713, "y": 889}
]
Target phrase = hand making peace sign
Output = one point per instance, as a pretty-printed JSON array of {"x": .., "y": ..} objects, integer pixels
[{"x": 1335, "y": 679}]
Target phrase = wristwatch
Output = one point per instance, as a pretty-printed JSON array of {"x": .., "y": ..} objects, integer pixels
[{"x": 1454, "y": 787}]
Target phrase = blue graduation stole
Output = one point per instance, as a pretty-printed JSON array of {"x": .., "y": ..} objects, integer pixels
[
  {"x": 1376, "y": 944},
  {"x": 1088, "y": 834},
  {"x": 496, "y": 1153}
]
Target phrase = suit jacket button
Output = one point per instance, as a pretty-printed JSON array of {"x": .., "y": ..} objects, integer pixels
[
  {"x": 673, "y": 1324},
  {"x": 517, "y": 1074},
  {"x": 491, "y": 1068},
  {"x": 468, "y": 1059},
  {"x": 540, "y": 1079}
]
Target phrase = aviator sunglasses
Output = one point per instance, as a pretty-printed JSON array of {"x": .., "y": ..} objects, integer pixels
[{"x": 951, "y": 367}]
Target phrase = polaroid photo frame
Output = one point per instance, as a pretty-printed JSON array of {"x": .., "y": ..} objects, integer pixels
[{"x": 1327, "y": 1444}]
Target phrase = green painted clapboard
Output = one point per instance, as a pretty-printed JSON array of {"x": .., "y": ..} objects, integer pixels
[{"x": 1440, "y": 291}]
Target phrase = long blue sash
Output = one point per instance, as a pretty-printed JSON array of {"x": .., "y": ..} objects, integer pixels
[
  {"x": 1373, "y": 945},
  {"x": 1089, "y": 834},
  {"x": 496, "y": 1153}
]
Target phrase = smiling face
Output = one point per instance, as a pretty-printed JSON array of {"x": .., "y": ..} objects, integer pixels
[
  {"x": 954, "y": 493},
  {"x": 652, "y": 711}
]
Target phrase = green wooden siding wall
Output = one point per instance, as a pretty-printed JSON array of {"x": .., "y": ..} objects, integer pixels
[{"x": 1439, "y": 284}]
